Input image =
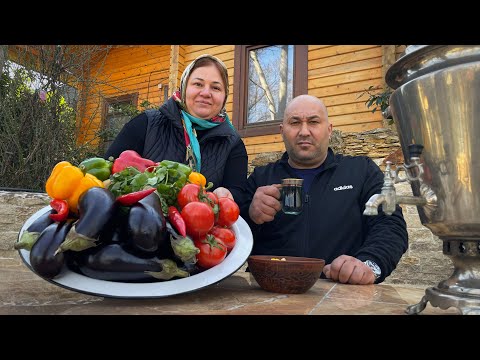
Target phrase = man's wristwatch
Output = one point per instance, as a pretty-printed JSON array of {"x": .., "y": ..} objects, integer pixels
[{"x": 375, "y": 268}]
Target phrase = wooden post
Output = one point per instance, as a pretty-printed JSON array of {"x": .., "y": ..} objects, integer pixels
[
  {"x": 388, "y": 59},
  {"x": 173, "y": 72},
  {"x": 3, "y": 57}
]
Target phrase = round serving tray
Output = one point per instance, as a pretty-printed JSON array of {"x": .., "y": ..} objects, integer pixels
[{"x": 71, "y": 280}]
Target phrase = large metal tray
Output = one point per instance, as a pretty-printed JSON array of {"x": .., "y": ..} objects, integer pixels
[{"x": 71, "y": 280}]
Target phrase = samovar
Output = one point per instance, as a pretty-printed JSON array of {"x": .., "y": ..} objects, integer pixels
[{"x": 436, "y": 109}]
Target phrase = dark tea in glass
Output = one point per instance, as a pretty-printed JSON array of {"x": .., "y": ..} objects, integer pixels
[{"x": 292, "y": 196}]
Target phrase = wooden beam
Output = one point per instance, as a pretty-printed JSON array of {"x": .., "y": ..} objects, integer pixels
[
  {"x": 388, "y": 58},
  {"x": 3, "y": 56},
  {"x": 173, "y": 75}
]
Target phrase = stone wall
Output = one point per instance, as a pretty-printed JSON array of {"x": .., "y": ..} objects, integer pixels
[{"x": 422, "y": 264}]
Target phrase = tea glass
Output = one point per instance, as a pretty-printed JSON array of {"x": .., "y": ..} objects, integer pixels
[{"x": 292, "y": 196}]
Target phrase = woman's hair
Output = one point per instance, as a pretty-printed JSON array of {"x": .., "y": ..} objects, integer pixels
[{"x": 205, "y": 60}]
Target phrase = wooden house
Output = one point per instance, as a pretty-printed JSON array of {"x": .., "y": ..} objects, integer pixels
[{"x": 141, "y": 76}]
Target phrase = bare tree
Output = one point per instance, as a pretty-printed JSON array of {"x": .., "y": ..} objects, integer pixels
[
  {"x": 268, "y": 83},
  {"x": 282, "y": 89},
  {"x": 264, "y": 84}
]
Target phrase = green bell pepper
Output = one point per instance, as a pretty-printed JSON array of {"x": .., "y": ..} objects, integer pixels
[{"x": 97, "y": 166}]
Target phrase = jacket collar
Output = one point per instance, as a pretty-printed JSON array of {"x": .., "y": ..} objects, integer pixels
[{"x": 172, "y": 111}]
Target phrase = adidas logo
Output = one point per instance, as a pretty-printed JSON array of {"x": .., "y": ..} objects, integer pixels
[{"x": 344, "y": 187}]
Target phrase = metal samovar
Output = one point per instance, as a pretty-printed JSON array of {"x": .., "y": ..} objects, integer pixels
[{"x": 436, "y": 109}]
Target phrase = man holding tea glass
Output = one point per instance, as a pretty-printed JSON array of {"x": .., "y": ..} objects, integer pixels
[{"x": 310, "y": 203}]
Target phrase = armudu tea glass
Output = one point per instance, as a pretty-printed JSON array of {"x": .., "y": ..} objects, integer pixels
[{"x": 292, "y": 196}]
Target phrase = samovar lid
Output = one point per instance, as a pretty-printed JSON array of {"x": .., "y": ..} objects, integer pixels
[{"x": 419, "y": 60}]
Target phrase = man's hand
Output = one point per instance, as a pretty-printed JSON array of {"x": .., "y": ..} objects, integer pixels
[
  {"x": 223, "y": 192},
  {"x": 347, "y": 269},
  {"x": 265, "y": 204}
]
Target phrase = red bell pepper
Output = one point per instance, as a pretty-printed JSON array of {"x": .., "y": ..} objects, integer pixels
[
  {"x": 132, "y": 158},
  {"x": 177, "y": 220},
  {"x": 61, "y": 207},
  {"x": 134, "y": 197}
]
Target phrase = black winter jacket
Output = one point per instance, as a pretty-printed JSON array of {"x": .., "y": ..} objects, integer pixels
[
  {"x": 332, "y": 221},
  {"x": 158, "y": 135}
]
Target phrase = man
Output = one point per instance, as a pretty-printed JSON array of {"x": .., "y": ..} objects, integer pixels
[{"x": 357, "y": 249}]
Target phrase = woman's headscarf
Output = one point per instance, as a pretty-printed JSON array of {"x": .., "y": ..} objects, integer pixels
[{"x": 192, "y": 123}]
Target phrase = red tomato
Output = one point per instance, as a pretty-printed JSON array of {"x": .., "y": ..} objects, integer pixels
[
  {"x": 187, "y": 194},
  {"x": 212, "y": 197},
  {"x": 198, "y": 217},
  {"x": 228, "y": 212},
  {"x": 226, "y": 235},
  {"x": 212, "y": 251}
]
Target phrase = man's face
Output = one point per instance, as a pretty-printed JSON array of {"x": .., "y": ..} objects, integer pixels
[{"x": 306, "y": 132}]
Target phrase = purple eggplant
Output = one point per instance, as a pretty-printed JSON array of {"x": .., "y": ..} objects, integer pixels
[
  {"x": 31, "y": 234},
  {"x": 96, "y": 207},
  {"x": 43, "y": 257},
  {"x": 113, "y": 263}
]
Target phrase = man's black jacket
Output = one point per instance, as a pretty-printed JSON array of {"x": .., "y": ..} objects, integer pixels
[{"x": 332, "y": 221}]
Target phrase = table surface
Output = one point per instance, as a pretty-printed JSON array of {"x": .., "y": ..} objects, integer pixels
[{"x": 22, "y": 293}]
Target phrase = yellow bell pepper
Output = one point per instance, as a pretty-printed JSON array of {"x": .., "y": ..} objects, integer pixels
[
  {"x": 63, "y": 180},
  {"x": 86, "y": 183},
  {"x": 67, "y": 182},
  {"x": 197, "y": 178}
]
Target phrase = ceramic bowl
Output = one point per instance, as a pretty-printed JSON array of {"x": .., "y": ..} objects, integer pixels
[{"x": 285, "y": 274}]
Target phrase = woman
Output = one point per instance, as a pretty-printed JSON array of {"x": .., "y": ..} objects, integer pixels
[{"x": 192, "y": 127}]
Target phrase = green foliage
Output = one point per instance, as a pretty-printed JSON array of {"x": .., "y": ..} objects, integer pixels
[
  {"x": 40, "y": 111},
  {"x": 377, "y": 100},
  {"x": 35, "y": 133}
]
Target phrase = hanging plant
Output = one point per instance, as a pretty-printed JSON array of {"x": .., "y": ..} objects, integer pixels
[{"x": 378, "y": 100}]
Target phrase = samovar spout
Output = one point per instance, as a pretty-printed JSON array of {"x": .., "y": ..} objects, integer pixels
[
  {"x": 371, "y": 206},
  {"x": 388, "y": 197}
]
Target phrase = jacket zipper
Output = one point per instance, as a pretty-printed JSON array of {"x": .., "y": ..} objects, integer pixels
[{"x": 305, "y": 224}]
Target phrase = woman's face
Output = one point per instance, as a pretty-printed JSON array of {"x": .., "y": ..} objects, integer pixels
[{"x": 205, "y": 92}]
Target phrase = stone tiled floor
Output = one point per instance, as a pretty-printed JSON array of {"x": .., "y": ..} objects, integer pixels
[{"x": 22, "y": 292}]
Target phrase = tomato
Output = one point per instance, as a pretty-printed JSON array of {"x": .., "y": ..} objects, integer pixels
[
  {"x": 226, "y": 235},
  {"x": 228, "y": 212},
  {"x": 213, "y": 197},
  {"x": 198, "y": 217},
  {"x": 212, "y": 251},
  {"x": 193, "y": 192},
  {"x": 187, "y": 194}
]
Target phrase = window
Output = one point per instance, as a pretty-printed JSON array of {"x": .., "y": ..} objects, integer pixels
[
  {"x": 265, "y": 79},
  {"x": 117, "y": 112}
]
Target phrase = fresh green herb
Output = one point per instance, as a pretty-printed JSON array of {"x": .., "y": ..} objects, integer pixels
[{"x": 168, "y": 177}]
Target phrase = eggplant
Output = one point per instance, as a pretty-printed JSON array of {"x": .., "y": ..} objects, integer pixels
[
  {"x": 113, "y": 263},
  {"x": 147, "y": 233},
  {"x": 44, "y": 259},
  {"x": 115, "y": 231},
  {"x": 152, "y": 200},
  {"x": 31, "y": 234},
  {"x": 96, "y": 207},
  {"x": 183, "y": 249}
]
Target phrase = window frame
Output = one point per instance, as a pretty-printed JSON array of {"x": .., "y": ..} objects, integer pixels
[
  {"x": 240, "y": 88},
  {"x": 130, "y": 98}
]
